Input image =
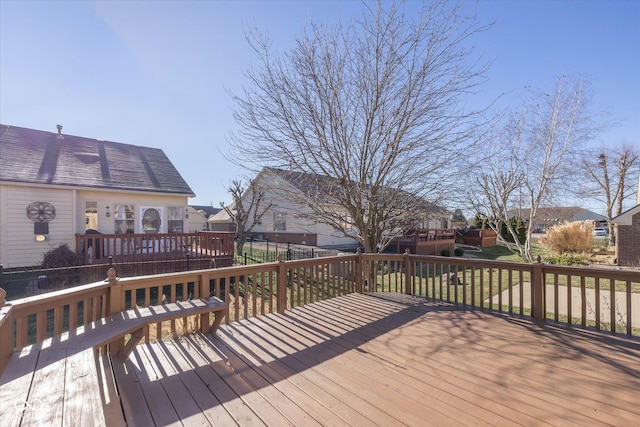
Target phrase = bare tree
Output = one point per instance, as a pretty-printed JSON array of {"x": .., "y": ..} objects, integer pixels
[
  {"x": 377, "y": 105},
  {"x": 608, "y": 168},
  {"x": 248, "y": 203},
  {"x": 532, "y": 160}
]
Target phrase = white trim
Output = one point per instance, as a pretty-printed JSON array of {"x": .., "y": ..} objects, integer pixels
[
  {"x": 626, "y": 218},
  {"x": 100, "y": 189}
]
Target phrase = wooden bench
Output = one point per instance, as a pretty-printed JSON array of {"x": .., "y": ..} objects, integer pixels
[
  {"x": 136, "y": 322},
  {"x": 64, "y": 380}
]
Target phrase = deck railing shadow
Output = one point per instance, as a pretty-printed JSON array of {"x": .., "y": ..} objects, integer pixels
[
  {"x": 290, "y": 360},
  {"x": 571, "y": 338}
]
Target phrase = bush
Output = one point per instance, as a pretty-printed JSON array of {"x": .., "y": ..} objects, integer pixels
[
  {"x": 61, "y": 265},
  {"x": 569, "y": 237},
  {"x": 458, "y": 252},
  {"x": 518, "y": 226},
  {"x": 480, "y": 222},
  {"x": 568, "y": 259},
  {"x": 445, "y": 252},
  {"x": 60, "y": 257}
]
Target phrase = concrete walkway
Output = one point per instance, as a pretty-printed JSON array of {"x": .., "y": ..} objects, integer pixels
[{"x": 576, "y": 303}]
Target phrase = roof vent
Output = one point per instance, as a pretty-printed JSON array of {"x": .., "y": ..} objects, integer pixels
[{"x": 60, "y": 132}]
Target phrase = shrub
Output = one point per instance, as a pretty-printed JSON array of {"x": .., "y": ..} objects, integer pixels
[
  {"x": 569, "y": 237},
  {"x": 445, "y": 252},
  {"x": 518, "y": 226},
  {"x": 61, "y": 256},
  {"x": 60, "y": 263},
  {"x": 458, "y": 252},
  {"x": 480, "y": 222},
  {"x": 568, "y": 259}
]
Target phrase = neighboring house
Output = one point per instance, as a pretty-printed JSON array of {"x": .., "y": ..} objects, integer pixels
[
  {"x": 628, "y": 235},
  {"x": 197, "y": 217},
  {"x": 548, "y": 217},
  {"x": 54, "y": 185},
  {"x": 221, "y": 221},
  {"x": 289, "y": 221}
]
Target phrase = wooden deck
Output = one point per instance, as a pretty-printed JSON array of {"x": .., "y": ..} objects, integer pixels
[{"x": 384, "y": 359}]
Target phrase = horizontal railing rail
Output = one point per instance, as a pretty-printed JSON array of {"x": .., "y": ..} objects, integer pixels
[{"x": 601, "y": 298}]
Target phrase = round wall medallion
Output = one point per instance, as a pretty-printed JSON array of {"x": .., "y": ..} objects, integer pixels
[{"x": 41, "y": 212}]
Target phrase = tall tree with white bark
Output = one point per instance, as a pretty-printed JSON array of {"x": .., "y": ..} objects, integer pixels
[{"x": 532, "y": 160}]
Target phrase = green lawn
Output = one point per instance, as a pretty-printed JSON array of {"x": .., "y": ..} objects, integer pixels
[{"x": 501, "y": 253}]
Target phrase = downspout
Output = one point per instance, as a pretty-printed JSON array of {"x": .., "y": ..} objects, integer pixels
[{"x": 74, "y": 217}]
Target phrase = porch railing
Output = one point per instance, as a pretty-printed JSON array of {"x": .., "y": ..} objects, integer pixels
[
  {"x": 128, "y": 248},
  {"x": 428, "y": 241},
  {"x": 604, "y": 299}
]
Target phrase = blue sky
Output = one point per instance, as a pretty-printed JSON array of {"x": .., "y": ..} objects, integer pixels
[{"x": 157, "y": 73}]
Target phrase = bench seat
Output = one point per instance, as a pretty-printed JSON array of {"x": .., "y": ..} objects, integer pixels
[{"x": 65, "y": 380}]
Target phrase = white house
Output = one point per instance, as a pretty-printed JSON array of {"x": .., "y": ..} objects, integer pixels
[
  {"x": 290, "y": 221},
  {"x": 222, "y": 221},
  {"x": 53, "y": 186}
]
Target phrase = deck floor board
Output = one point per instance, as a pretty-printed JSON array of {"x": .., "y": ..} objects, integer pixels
[{"x": 389, "y": 360}]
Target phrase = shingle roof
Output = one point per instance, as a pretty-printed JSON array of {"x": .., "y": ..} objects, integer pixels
[
  {"x": 325, "y": 188},
  {"x": 39, "y": 157},
  {"x": 208, "y": 210},
  {"x": 562, "y": 213}
]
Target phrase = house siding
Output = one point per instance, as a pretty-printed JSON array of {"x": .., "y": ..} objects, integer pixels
[
  {"x": 3, "y": 222},
  {"x": 299, "y": 228},
  {"x": 628, "y": 243},
  {"x": 18, "y": 247},
  {"x": 18, "y": 241}
]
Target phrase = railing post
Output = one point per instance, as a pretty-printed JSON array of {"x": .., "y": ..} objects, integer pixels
[
  {"x": 204, "y": 293},
  {"x": 282, "y": 286},
  {"x": 6, "y": 329},
  {"x": 116, "y": 305},
  {"x": 408, "y": 273},
  {"x": 537, "y": 284},
  {"x": 359, "y": 278}
]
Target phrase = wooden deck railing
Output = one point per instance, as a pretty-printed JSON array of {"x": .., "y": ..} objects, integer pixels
[
  {"x": 103, "y": 248},
  {"x": 605, "y": 299},
  {"x": 602, "y": 298},
  {"x": 429, "y": 241},
  {"x": 479, "y": 237}
]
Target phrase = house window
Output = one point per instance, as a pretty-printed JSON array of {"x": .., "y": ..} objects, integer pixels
[
  {"x": 176, "y": 216},
  {"x": 124, "y": 219},
  {"x": 347, "y": 222},
  {"x": 90, "y": 215},
  {"x": 150, "y": 220},
  {"x": 279, "y": 222}
]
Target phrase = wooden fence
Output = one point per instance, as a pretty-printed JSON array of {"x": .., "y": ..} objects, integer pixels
[{"x": 605, "y": 299}]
